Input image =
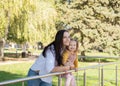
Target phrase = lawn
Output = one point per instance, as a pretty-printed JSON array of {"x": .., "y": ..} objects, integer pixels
[
  {"x": 14, "y": 71},
  {"x": 19, "y": 70}
]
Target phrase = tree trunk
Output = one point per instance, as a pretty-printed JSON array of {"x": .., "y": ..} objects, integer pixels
[
  {"x": 24, "y": 50},
  {"x": 2, "y": 43},
  {"x": 82, "y": 54}
]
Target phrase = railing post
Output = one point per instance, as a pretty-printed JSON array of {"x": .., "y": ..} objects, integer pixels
[
  {"x": 84, "y": 81},
  {"x": 99, "y": 72},
  {"x": 22, "y": 83},
  {"x": 116, "y": 76},
  {"x": 102, "y": 77},
  {"x": 59, "y": 81},
  {"x": 77, "y": 79}
]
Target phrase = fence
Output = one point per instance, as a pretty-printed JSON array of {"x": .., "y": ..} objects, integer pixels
[{"x": 99, "y": 67}]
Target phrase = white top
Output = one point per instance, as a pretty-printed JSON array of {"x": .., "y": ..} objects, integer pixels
[{"x": 45, "y": 64}]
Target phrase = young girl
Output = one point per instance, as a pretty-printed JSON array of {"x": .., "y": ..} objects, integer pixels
[{"x": 70, "y": 59}]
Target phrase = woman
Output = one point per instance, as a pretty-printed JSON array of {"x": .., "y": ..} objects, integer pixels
[{"x": 50, "y": 60}]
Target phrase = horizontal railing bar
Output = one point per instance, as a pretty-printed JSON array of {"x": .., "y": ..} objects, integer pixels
[
  {"x": 32, "y": 77},
  {"x": 98, "y": 65},
  {"x": 114, "y": 57},
  {"x": 105, "y": 69},
  {"x": 111, "y": 80},
  {"x": 104, "y": 79},
  {"x": 52, "y": 74},
  {"x": 110, "y": 69}
]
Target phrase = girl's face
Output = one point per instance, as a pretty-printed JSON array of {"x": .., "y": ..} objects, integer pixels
[
  {"x": 66, "y": 39},
  {"x": 72, "y": 46}
]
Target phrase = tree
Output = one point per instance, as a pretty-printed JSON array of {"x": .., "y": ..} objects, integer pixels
[
  {"x": 4, "y": 24},
  {"x": 95, "y": 23},
  {"x": 27, "y": 21},
  {"x": 37, "y": 16}
]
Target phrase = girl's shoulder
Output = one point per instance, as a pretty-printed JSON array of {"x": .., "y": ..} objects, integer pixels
[{"x": 66, "y": 51}]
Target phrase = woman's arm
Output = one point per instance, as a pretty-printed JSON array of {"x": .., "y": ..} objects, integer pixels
[
  {"x": 61, "y": 69},
  {"x": 50, "y": 64}
]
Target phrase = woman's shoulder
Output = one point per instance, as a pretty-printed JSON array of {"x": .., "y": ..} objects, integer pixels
[
  {"x": 51, "y": 47},
  {"x": 50, "y": 50}
]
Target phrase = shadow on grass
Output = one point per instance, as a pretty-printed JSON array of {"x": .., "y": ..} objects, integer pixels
[
  {"x": 5, "y": 76},
  {"x": 97, "y": 60}
]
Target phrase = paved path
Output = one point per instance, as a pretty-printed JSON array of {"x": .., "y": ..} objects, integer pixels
[{"x": 19, "y": 60}]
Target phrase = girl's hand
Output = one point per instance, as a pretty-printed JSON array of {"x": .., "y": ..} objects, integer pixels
[
  {"x": 67, "y": 68},
  {"x": 72, "y": 67},
  {"x": 76, "y": 69}
]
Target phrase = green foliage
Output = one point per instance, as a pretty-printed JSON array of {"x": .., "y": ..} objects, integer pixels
[
  {"x": 95, "y": 23},
  {"x": 27, "y": 20},
  {"x": 2, "y": 21},
  {"x": 46, "y": 27}
]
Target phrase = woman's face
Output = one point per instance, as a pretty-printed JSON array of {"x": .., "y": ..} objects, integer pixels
[{"x": 66, "y": 39}]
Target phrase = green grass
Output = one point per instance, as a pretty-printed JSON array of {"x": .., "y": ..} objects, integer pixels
[
  {"x": 19, "y": 70},
  {"x": 14, "y": 71}
]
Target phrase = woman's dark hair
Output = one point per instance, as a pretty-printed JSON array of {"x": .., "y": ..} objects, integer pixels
[{"x": 58, "y": 45}]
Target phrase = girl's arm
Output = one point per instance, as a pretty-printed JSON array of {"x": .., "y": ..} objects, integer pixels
[
  {"x": 76, "y": 62},
  {"x": 65, "y": 57}
]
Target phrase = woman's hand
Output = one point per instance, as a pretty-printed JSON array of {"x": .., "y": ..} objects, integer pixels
[
  {"x": 60, "y": 69},
  {"x": 67, "y": 68}
]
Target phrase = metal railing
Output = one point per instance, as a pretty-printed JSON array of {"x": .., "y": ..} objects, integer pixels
[{"x": 84, "y": 69}]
